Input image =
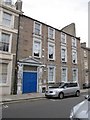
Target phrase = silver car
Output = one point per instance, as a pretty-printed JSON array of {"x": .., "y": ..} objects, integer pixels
[
  {"x": 81, "y": 111},
  {"x": 64, "y": 89}
]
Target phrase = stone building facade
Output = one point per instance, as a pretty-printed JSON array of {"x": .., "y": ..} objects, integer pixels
[
  {"x": 34, "y": 55},
  {"x": 85, "y": 63},
  {"x": 8, "y": 37},
  {"x": 46, "y": 56}
]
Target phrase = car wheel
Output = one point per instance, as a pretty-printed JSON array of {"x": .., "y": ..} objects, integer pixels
[
  {"x": 77, "y": 93},
  {"x": 61, "y": 95}
]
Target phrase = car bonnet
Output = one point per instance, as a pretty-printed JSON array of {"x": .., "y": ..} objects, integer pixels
[{"x": 82, "y": 110}]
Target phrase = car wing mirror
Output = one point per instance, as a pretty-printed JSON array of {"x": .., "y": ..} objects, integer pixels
[
  {"x": 65, "y": 87},
  {"x": 86, "y": 96}
]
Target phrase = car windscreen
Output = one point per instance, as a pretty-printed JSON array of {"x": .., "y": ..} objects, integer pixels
[
  {"x": 62, "y": 85},
  {"x": 57, "y": 85}
]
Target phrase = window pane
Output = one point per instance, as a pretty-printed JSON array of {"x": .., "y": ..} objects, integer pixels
[
  {"x": 51, "y": 74},
  {"x": 3, "y": 73},
  {"x": 74, "y": 42},
  {"x": 4, "y": 43},
  {"x": 74, "y": 57},
  {"x": 51, "y": 33},
  {"x": 6, "y": 19},
  {"x": 36, "y": 49},
  {"x": 63, "y": 37},
  {"x": 74, "y": 75},
  {"x": 51, "y": 51},
  {"x": 64, "y": 74},
  {"x": 63, "y": 53},
  {"x": 37, "y": 28}
]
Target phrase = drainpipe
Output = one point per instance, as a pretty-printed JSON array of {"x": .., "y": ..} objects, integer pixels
[{"x": 16, "y": 60}]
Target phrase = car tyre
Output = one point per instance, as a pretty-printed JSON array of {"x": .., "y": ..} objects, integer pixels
[
  {"x": 61, "y": 95},
  {"x": 77, "y": 93}
]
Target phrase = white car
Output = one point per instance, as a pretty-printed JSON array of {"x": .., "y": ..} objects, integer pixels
[
  {"x": 82, "y": 110},
  {"x": 64, "y": 89}
]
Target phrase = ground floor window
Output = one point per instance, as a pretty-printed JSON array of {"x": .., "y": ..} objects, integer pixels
[
  {"x": 51, "y": 74},
  {"x": 64, "y": 74},
  {"x": 75, "y": 74},
  {"x": 3, "y": 73},
  {"x": 86, "y": 77}
]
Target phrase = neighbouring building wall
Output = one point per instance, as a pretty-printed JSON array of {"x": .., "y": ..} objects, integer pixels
[
  {"x": 85, "y": 61},
  {"x": 70, "y": 29},
  {"x": 8, "y": 41}
]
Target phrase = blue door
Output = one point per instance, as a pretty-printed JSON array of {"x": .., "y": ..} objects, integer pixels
[{"x": 29, "y": 82}]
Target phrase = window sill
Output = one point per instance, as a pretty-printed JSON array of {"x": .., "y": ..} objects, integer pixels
[
  {"x": 4, "y": 85},
  {"x": 37, "y": 35},
  {"x": 4, "y": 52},
  {"x": 51, "y": 59},
  {"x": 64, "y": 62},
  {"x": 37, "y": 57},
  {"x": 75, "y": 63},
  {"x": 51, "y": 82}
]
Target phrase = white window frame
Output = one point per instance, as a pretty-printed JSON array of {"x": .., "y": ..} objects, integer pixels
[
  {"x": 35, "y": 22},
  {"x": 62, "y": 47},
  {"x": 86, "y": 78},
  {"x": 6, "y": 25},
  {"x": 10, "y": 40},
  {"x": 73, "y": 52},
  {"x": 74, "y": 42},
  {"x": 62, "y": 74},
  {"x": 85, "y": 64},
  {"x": 2, "y": 83},
  {"x": 85, "y": 53},
  {"x": 39, "y": 41},
  {"x": 63, "y": 38},
  {"x": 51, "y": 38},
  {"x": 76, "y": 69},
  {"x": 53, "y": 81},
  {"x": 53, "y": 45}
]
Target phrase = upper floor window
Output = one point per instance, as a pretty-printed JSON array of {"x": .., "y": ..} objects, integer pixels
[
  {"x": 51, "y": 51},
  {"x": 37, "y": 48},
  {"x": 85, "y": 53},
  {"x": 51, "y": 33},
  {"x": 85, "y": 64},
  {"x": 7, "y": 18},
  {"x": 63, "y": 54},
  {"x": 74, "y": 44},
  {"x": 64, "y": 74},
  {"x": 86, "y": 78},
  {"x": 75, "y": 74},
  {"x": 63, "y": 37},
  {"x": 4, "y": 42},
  {"x": 3, "y": 73},
  {"x": 74, "y": 56},
  {"x": 51, "y": 74},
  {"x": 37, "y": 28}
]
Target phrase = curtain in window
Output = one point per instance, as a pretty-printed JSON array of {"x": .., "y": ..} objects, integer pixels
[{"x": 36, "y": 49}]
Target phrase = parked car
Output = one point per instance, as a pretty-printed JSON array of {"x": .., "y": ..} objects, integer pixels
[
  {"x": 64, "y": 89},
  {"x": 86, "y": 85},
  {"x": 81, "y": 111}
]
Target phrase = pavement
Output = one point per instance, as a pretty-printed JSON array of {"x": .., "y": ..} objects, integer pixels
[{"x": 21, "y": 97}]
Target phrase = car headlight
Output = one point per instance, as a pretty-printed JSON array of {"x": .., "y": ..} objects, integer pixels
[{"x": 71, "y": 114}]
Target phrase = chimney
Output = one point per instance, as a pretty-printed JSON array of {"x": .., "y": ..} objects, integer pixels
[
  {"x": 83, "y": 44},
  {"x": 18, "y": 5}
]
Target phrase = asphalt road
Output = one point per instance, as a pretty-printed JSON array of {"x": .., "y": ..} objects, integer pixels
[{"x": 47, "y": 108}]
